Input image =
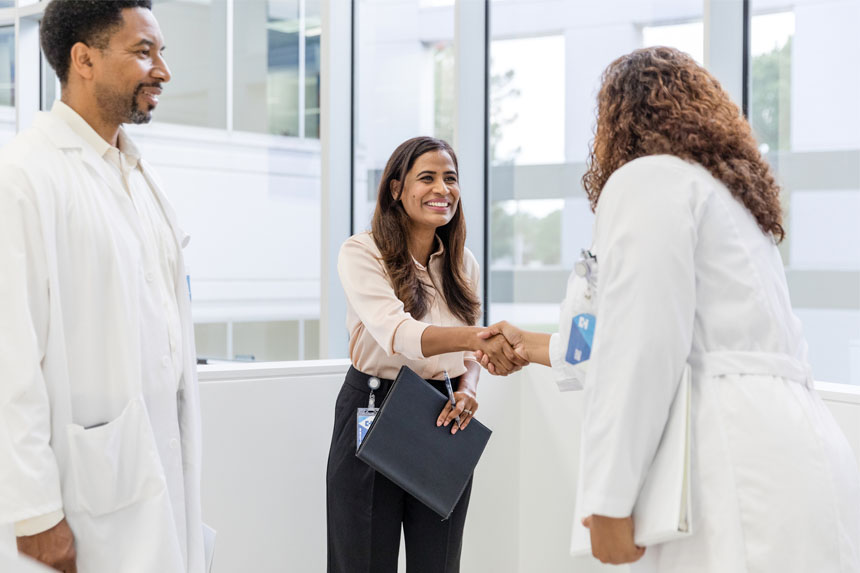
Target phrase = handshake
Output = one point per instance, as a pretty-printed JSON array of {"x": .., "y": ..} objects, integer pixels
[{"x": 502, "y": 348}]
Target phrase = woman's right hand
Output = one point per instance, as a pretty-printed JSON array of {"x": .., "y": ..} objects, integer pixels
[
  {"x": 514, "y": 337},
  {"x": 495, "y": 353}
]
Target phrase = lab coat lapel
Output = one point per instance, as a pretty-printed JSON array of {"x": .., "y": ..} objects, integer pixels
[
  {"x": 64, "y": 138},
  {"x": 182, "y": 238}
]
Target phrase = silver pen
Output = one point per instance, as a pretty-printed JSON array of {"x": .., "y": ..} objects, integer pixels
[{"x": 451, "y": 396}]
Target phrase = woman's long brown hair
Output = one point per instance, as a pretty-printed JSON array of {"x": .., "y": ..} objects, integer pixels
[
  {"x": 659, "y": 100},
  {"x": 390, "y": 228}
]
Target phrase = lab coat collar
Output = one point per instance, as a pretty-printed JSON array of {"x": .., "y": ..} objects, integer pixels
[
  {"x": 58, "y": 130},
  {"x": 80, "y": 127}
]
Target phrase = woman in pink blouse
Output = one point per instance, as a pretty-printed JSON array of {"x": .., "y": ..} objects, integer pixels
[{"x": 411, "y": 288}]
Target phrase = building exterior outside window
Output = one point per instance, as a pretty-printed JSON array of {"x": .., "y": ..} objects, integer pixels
[
  {"x": 803, "y": 109},
  {"x": 544, "y": 75}
]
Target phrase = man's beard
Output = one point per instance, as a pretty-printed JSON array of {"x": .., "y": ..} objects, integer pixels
[
  {"x": 120, "y": 109},
  {"x": 137, "y": 115}
]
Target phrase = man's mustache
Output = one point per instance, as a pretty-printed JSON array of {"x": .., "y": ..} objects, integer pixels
[{"x": 140, "y": 87}]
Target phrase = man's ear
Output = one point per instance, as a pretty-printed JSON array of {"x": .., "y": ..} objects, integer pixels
[
  {"x": 395, "y": 186},
  {"x": 81, "y": 61}
]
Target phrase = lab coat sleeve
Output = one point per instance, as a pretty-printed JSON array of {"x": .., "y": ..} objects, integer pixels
[
  {"x": 370, "y": 293},
  {"x": 556, "y": 356},
  {"x": 39, "y": 524},
  {"x": 29, "y": 476},
  {"x": 646, "y": 232}
]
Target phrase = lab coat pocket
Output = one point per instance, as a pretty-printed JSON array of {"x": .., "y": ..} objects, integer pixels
[{"x": 114, "y": 465}]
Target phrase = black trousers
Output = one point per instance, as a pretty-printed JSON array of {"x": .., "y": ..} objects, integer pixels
[{"x": 366, "y": 510}]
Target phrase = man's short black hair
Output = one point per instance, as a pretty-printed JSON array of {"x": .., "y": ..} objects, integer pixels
[{"x": 67, "y": 22}]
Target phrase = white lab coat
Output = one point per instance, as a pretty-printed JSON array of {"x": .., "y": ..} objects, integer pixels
[
  {"x": 686, "y": 275},
  {"x": 70, "y": 358}
]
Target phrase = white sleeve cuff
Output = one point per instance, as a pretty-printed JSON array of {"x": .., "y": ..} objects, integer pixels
[
  {"x": 407, "y": 339},
  {"x": 556, "y": 354},
  {"x": 38, "y": 524},
  {"x": 599, "y": 503}
]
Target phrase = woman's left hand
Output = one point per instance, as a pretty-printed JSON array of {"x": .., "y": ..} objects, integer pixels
[
  {"x": 467, "y": 405},
  {"x": 612, "y": 539}
]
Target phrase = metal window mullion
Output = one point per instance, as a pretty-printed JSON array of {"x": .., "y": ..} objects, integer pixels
[
  {"x": 302, "y": 71},
  {"x": 745, "y": 64},
  {"x": 229, "y": 65},
  {"x": 724, "y": 44},
  {"x": 485, "y": 263},
  {"x": 337, "y": 146},
  {"x": 27, "y": 54},
  {"x": 470, "y": 48}
]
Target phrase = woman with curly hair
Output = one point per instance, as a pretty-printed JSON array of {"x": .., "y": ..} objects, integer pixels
[{"x": 687, "y": 222}]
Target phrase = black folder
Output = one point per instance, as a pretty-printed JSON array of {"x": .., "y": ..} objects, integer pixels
[{"x": 405, "y": 445}]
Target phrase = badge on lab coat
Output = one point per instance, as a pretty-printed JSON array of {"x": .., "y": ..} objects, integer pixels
[
  {"x": 581, "y": 338},
  {"x": 577, "y": 321}
]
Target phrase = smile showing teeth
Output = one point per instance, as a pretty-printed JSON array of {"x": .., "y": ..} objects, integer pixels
[{"x": 437, "y": 204}]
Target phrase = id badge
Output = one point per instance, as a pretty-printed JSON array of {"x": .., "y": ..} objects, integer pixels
[
  {"x": 581, "y": 339},
  {"x": 363, "y": 419}
]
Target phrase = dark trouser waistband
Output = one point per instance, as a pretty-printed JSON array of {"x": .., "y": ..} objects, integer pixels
[{"x": 358, "y": 380}]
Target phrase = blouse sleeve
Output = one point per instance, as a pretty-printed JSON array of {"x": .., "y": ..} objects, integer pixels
[
  {"x": 371, "y": 295},
  {"x": 646, "y": 232}
]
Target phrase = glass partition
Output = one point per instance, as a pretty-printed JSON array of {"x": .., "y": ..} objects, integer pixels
[
  {"x": 7, "y": 66},
  {"x": 404, "y": 86},
  {"x": 195, "y": 33},
  {"x": 544, "y": 75},
  {"x": 803, "y": 109},
  {"x": 248, "y": 188}
]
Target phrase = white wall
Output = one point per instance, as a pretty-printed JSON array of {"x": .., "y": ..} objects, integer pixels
[{"x": 267, "y": 431}]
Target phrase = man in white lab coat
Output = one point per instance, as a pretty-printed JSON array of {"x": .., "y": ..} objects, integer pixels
[{"x": 99, "y": 409}]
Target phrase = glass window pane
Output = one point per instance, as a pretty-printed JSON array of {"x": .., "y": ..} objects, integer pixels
[
  {"x": 244, "y": 199},
  {"x": 404, "y": 84},
  {"x": 7, "y": 66},
  {"x": 195, "y": 38},
  {"x": 544, "y": 74},
  {"x": 804, "y": 112},
  {"x": 266, "y": 70},
  {"x": 7, "y": 84}
]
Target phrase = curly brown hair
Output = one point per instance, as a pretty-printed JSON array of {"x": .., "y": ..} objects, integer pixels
[{"x": 660, "y": 101}]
